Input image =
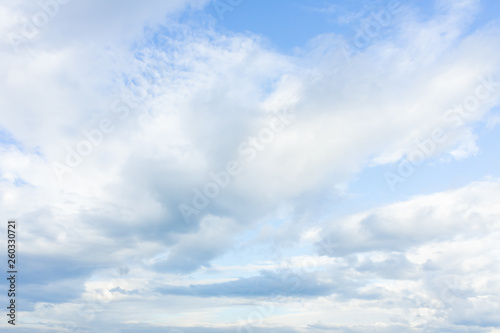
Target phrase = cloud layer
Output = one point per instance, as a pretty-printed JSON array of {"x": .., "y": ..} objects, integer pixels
[{"x": 161, "y": 160}]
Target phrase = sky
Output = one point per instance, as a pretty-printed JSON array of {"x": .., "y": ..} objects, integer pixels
[{"x": 251, "y": 166}]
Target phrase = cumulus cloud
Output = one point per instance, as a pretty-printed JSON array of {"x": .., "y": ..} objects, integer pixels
[
  {"x": 442, "y": 216},
  {"x": 442, "y": 244},
  {"x": 111, "y": 122}
]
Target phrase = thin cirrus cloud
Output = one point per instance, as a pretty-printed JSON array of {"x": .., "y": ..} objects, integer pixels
[{"x": 182, "y": 97}]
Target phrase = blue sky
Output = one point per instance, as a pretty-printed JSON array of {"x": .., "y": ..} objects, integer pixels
[{"x": 252, "y": 166}]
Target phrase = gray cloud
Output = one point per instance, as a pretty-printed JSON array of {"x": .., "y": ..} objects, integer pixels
[
  {"x": 268, "y": 284},
  {"x": 426, "y": 263}
]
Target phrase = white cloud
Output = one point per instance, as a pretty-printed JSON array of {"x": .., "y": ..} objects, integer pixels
[{"x": 205, "y": 93}]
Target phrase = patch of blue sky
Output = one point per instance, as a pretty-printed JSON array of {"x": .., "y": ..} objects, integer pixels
[
  {"x": 19, "y": 182},
  {"x": 488, "y": 13},
  {"x": 370, "y": 189},
  {"x": 7, "y": 138},
  {"x": 291, "y": 24},
  {"x": 286, "y": 24}
]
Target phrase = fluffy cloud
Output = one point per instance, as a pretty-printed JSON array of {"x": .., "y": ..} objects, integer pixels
[
  {"x": 443, "y": 216},
  {"x": 107, "y": 128}
]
